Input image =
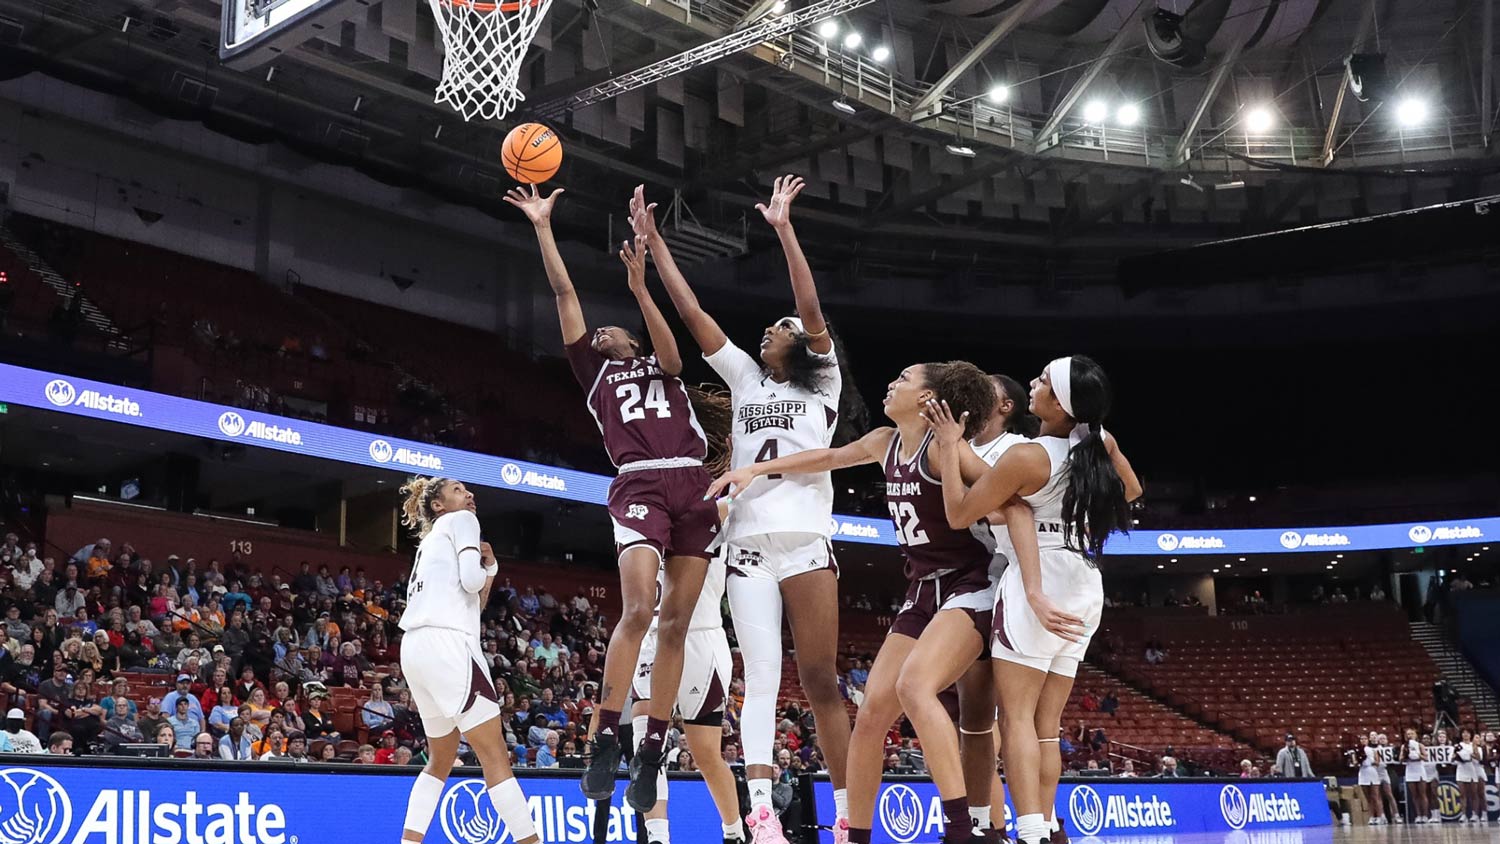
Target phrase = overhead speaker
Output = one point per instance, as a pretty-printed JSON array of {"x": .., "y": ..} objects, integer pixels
[
  {"x": 1169, "y": 41},
  {"x": 1368, "y": 79}
]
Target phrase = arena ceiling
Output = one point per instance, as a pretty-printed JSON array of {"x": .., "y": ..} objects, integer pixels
[{"x": 1260, "y": 135}]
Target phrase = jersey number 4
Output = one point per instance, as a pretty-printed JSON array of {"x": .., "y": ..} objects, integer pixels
[
  {"x": 908, "y": 531},
  {"x": 631, "y": 406},
  {"x": 768, "y": 452}
]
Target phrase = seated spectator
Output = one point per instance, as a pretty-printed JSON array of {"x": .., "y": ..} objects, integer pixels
[
  {"x": 50, "y": 697},
  {"x": 315, "y": 722},
  {"x": 345, "y": 669},
  {"x": 21, "y": 739},
  {"x": 377, "y": 712},
  {"x": 1127, "y": 769},
  {"x": 329, "y": 753},
  {"x": 82, "y": 716},
  {"x": 153, "y": 719},
  {"x": 551, "y": 708},
  {"x": 204, "y": 747},
  {"x": 1155, "y": 653},
  {"x": 259, "y": 710},
  {"x": 296, "y": 747},
  {"x": 60, "y": 744},
  {"x": 1088, "y": 703},
  {"x": 271, "y": 746},
  {"x": 546, "y": 755},
  {"x": 185, "y": 725},
  {"x": 386, "y": 753},
  {"x": 1109, "y": 704},
  {"x": 182, "y": 691},
  {"x": 366, "y": 752},
  {"x": 193, "y": 650},
  {"x": 166, "y": 738},
  {"x": 223, "y": 712},
  {"x": 1169, "y": 768},
  {"x": 236, "y": 744},
  {"x": 1245, "y": 769},
  {"x": 246, "y": 685}
]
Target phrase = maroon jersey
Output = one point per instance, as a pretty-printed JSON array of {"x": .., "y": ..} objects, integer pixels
[
  {"x": 916, "y": 502},
  {"x": 643, "y": 413}
]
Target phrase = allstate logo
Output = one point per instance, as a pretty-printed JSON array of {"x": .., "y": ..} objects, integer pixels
[
  {"x": 901, "y": 813},
  {"x": 1086, "y": 809},
  {"x": 1167, "y": 542},
  {"x": 231, "y": 423},
  {"x": 381, "y": 451},
  {"x": 1418, "y": 533},
  {"x": 1291, "y": 539},
  {"x": 1233, "y": 807},
  {"x": 468, "y": 817},
  {"x": 510, "y": 473},
  {"x": 60, "y": 392},
  {"x": 41, "y": 812}
]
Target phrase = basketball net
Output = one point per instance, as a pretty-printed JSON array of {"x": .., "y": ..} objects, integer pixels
[{"x": 483, "y": 45}]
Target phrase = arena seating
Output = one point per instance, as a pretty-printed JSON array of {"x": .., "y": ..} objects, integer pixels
[{"x": 1324, "y": 675}]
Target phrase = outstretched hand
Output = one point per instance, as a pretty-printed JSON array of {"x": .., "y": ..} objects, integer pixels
[
  {"x": 537, "y": 208},
  {"x": 778, "y": 212},
  {"x": 633, "y": 256},
  {"x": 733, "y": 482},
  {"x": 642, "y": 214},
  {"x": 939, "y": 417}
]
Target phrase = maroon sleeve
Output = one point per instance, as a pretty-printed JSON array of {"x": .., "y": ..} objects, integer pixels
[{"x": 585, "y": 361}]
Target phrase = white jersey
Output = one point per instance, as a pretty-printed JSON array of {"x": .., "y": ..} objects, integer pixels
[
  {"x": 707, "y": 613},
  {"x": 999, "y": 541},
  {"x": 437, "y": 595},
  {"x": 774, "y": 420}
]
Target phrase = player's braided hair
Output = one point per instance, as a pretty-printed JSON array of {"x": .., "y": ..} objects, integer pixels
[
  {"x": 715, "y": 411},
  {"x": 416, "y": 506},
  {"x": 810, "y": 373},
  {"x": 964, "y": 387}
]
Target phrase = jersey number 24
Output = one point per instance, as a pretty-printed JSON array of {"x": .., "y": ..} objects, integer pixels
[{"x": 631, "y": 406}]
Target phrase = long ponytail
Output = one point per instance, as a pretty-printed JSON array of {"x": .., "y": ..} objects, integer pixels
[
  {"x": 1094, "y": 504},
  {"x": 416, "y": 504}
]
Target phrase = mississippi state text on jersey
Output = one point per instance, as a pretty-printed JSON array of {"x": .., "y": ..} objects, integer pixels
[{"x": 774, "y": 420}]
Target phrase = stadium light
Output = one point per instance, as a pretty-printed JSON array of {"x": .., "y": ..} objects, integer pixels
[
  {"x": 960, "y": 150},
  {"x": 998, "y": 93},
  {"x": 1160, "y": 566},
  {"x": 853, "y": 40},
  {"x": 1229, "y": 565},
  {"x": 1252, "y": 499},
  {"x": 1174, "y": 559},
  {"x": 880, "y": 53},
  {"x": 1242, "y": 559},
  {"x": 779, "y": 7},
  {"x": 1216, "y": 571},
  {"x": 827, "y": 29},
  {"x": 1128, "y": 114},
  {"x": 1411, "y": 111},
  {"x": 844, "y": 105},
  {"x": 1258, "y": 121},
  {"x": 1264, "y": 570},
  {"x": 1095, "y": 111}
]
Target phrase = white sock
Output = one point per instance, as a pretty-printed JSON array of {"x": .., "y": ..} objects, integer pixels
[
  {"x": 841, "y": 803},
  {"x": 734, "y": 830},
  {"x": 760, "y": 793},
  {"x": 1052, "y": 823},
  {"x": 980, "y": 815},
  {"x": 510, "y": 803},
  {"x": 1031, "y": 828},
  {"x": 425, "y": 794},
  {"x": 656, "y": 831}
]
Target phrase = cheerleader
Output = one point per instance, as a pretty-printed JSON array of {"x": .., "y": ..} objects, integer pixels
[
  {"x": 1387, "y": 757},
  {"x": 1414, "y": 754},
  {"x": 1370, "y": 763},
  {"x": 1470, "y": 775},
  {"x": 1430, "y": 773}
]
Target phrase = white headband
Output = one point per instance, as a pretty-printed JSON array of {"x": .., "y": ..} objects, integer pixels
[
  {"x": 796, "y": 324},
  {"x": 1060, "y": 374}
]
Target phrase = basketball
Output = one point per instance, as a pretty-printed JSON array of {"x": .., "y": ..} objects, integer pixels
[{"x": 531, "y": 153}]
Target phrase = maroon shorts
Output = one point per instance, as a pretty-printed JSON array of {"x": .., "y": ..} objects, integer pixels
[
  {"x": 967, "y": 590},
  {"x": 664, "y": 508}
]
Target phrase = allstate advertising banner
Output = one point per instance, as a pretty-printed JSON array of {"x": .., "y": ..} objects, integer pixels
[
  {"x": 266, "y": 803},
  {"x": 910, "y": 810},
  {"x": 97, "y": 400}
]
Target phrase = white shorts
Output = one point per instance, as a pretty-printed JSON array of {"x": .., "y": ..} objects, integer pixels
[
  {"x": 1415, "y": 772},
  {"x": 449, "y": 684},
  {"x": 1469, "y": 772},
  {"x": 779, "y": 556},
  {"x": 1385, "y": 775},
  {"x": 1369, "y": 776},
  {"x": 1429, "y": 772},
  {"x": 706, "y": 668},
  {"x": 1074, "y": 586}
]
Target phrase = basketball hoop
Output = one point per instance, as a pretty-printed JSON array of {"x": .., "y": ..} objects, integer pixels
[{"x": 483, "y": 44}]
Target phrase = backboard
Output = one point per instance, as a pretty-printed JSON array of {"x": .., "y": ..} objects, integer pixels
[{"x": 256, "y": 31}]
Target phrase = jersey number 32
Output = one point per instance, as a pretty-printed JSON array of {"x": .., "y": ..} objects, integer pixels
[{"x": 908, "y": 531}]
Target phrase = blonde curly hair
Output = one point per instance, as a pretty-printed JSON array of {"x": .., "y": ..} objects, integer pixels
[{"x": 416, "y": 506}]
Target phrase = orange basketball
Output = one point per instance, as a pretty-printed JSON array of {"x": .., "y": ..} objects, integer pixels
[{"x": 531, "y": 153}]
